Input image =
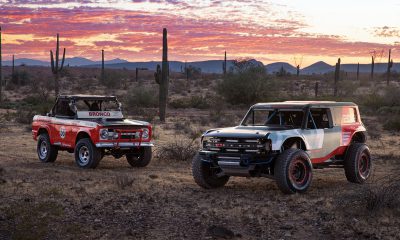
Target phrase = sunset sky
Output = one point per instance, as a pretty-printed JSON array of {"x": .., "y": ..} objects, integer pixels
[{"x": 268, "y": 31}]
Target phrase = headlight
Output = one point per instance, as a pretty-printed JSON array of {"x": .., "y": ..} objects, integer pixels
[
  {"x": 145, "y": 133},
  {"x": 104, "y": 134},
  {"x": 205, "y": 142}
]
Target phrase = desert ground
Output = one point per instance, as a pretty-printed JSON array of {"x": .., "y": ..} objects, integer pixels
[{"x": 161, "y": 201}]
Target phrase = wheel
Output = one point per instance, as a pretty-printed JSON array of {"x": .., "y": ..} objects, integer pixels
[
  {"x": 142, "y": 160},
  {"x": 357, "y": 163},
  {"x": 87, "y": 155},
  {"x": 293, "y": 171},
  {"x": 206, "y": 176},
  {"x": 46, "y": 152}
]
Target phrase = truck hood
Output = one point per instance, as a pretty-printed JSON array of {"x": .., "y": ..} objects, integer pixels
[
  {"x": 121, "y": 122},
  {"x": 242, "y": 132}
]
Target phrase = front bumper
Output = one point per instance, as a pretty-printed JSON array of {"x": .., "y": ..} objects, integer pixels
[
  {"x": 123, "y": 144},
  {"x": 237, "y": 164}
]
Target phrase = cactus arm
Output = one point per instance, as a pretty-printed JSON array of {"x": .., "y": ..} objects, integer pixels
[
  {"x": 52, "y": 61},
  {"x": 62, "y": 61}
]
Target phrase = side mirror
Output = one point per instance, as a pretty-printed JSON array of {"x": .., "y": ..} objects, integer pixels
[{"x": 48, "y": 114}]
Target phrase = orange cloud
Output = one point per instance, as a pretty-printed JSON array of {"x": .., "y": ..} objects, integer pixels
[{"x": 136, "y": 35}]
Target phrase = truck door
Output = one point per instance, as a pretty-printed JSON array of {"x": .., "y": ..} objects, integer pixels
[
  {"x": 63, "y": 124},
  {"x": 321, "y": 133}
]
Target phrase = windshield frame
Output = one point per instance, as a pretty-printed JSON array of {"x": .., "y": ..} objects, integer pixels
[{"x": 251, "y": 111}]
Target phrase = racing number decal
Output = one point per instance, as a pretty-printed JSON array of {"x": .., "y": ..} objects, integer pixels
[{"x": 63, "y": 132}]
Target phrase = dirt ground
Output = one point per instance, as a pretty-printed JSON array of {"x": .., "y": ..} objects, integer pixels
[{"x": 161, "y": 201}]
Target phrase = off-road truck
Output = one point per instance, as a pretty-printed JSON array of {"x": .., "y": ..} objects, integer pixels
[
  {"x": 91, "y": 126},
  {"x": 285, "y": 141}
]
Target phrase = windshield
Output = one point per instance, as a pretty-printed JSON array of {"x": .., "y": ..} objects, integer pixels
[{"x": 274, "y": 117}]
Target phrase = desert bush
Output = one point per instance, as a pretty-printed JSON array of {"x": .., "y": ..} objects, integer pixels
[
  {"x": 30, "y": 106},
  {"x": 375, "y": 100},
  {"x": 392, "y": 123},
  {"x": 112, "y": 79},
  {"x": 246, "y": 83},
  {"x": 123, "y": 181},
  {"x": 185, "y": 127},
  {"x": 347, "y": 88},
  {"x": 196, "y": 101},
  {"x": 385, "y": 193},
  {"x": 376, "y": 197},
  {"x": 179, "y": 149},
  {"x": 20, "y": 78},
  {"x": 141, "y": 97},
  {"x": 178, "y": 86}
]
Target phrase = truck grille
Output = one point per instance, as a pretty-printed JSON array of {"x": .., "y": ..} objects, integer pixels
[{"x": 229, "y": 145}]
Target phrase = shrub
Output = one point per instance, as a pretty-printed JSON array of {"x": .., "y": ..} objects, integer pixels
[
  {"x": 112, "y": 79},
  {"x": 247, "y": 83},
  {"x": 30, "y": 106},
  {"x": 123, "y": 181},
  {"x": 198, "y": 102},
  {"x": 142, "y": 97},
  {"x": 389, "y": 98},
  {"x": 178, "y": 149},
  {"x": 384, "y": 194},
  {"x": 392, "y": 123}
]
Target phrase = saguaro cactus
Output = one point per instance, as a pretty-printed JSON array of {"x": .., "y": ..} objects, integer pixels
[
  {"x": 358, "y": 71},
  {"x": 56, "y": 67},
  {"x": 297, "y": 70},
  {"x": 102, "y": 66},
  {"x": 162, "y": 78},
  {"x": 337, "y": 77},
  {"x": 316, "y": 89},
  {"x": 1, "y": 74},
  {"x": 224, "y": 65},
  {"x": 187, "y": 77},
  {"x": 372, "y": 67},
  {"x": 390, "y": 65}
]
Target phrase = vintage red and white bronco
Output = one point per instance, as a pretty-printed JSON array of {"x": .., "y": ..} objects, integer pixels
[
  {"x": 91, "y": 126},
  {"x": 286, "y": 141}
]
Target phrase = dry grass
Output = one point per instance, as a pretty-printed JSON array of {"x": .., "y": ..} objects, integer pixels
[{"x": 178, "y": 149}]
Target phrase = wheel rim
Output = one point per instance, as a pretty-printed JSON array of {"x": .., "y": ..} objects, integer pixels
[
  {"x": 84, "y": 155},
  {"x": 299, "y": 173},
  {"x": 364, "y": 165},
  {"x": 43, "y": 150}
]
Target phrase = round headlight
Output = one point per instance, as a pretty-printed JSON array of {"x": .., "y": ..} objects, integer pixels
[
  {"x": 104, "y": 134},
  {"x": 145, "y": 133}
]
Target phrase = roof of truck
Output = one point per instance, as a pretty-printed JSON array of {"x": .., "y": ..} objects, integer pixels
[
  {"x": 87, "y": 97},
  {"x": 302, "y": 104}
]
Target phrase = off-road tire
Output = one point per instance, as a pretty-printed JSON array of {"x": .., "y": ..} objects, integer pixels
[
  {"x": 204, "y": 176},
  {"x": 142, "y": 160},
  {"x": 293, "y": 171},
  {"x": 46, "y": 152},
  {"x": 357, "y": 163},
  {"x": 87, "y": 155}
]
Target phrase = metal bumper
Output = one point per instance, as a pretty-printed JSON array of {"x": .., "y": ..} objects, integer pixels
[
  {"x": 123, "y": 144},
  {"x": 235, "y": 164}
]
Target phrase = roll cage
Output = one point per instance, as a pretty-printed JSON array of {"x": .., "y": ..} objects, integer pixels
[{"x": 66, "y": 106}]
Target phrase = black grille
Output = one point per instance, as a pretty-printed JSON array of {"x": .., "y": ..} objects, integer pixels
[{"x": 234, "y": 145}]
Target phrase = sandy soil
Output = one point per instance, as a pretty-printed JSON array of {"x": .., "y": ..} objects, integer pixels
[{"x": 161, "y": 201}]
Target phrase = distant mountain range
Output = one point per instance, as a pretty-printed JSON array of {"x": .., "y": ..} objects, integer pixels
[{"x": 210, "y": 66}]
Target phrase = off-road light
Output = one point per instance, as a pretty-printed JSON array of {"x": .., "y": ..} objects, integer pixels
[
  {"x": 145, "y": 133},
  {"x": 104, "y": 134}
]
